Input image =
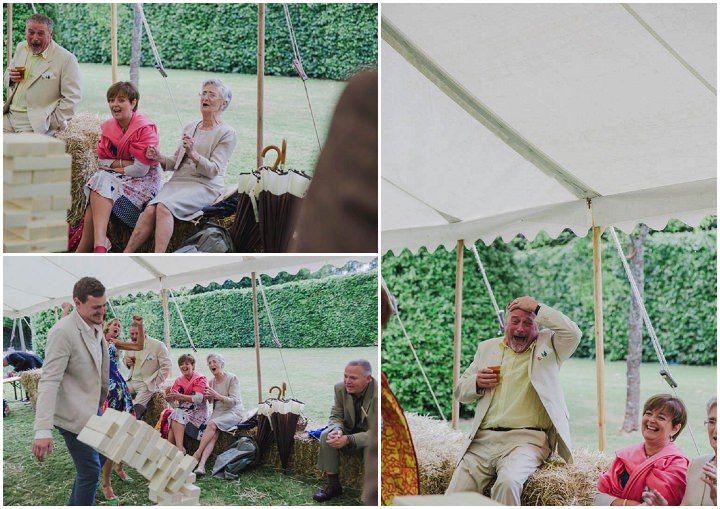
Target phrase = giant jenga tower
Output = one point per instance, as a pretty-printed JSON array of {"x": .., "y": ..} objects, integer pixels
[{"x": 36, "y": 193}]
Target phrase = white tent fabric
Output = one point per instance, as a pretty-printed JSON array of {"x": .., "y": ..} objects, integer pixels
[
  {"x": 34, "y": 283},
  {"x": 501, "y": 119}
]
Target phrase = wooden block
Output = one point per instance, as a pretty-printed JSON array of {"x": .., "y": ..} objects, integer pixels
[
  {"x": 94, "y": 439},
  {"x": 37, "y": 204},
  {"x": 12, "y": 192},
  {"x": 38, "y": 230},
  {"x": 31, "y": 144},
  {"x": 148, "y": 469},
  {"x": 15, "y": 216},
  {"x": 140, "y": 439},
  {"x": 61, "y": 202},
  {"x": 165, "y": 498},
  {"x": 14, "y": 244},
  {"x": 180, "y": 474},
  {"x": 40, "y": 163},
  {"x": 41, "y": 176},
  {"x": 188, "y": 501},
  {"x": 159, "y": 481},
  {"x": 169, "y": 468},
  {"x": 191, "y": 478},
  {"x": 190, "y": 490},
  {"x": 12, "y": 177}
]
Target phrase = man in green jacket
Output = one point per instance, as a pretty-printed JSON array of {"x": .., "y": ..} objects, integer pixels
[{"x": 355, "y": 401}]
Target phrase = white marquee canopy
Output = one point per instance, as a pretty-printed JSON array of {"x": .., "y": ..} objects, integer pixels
[
  {"x": 34, "y": 283},
  {"x": 501, "y": 119}
]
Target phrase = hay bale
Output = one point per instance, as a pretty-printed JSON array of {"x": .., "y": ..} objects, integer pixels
[
  {"x": 154, "y": 408},
  {"x": 557, "y": 483},
  {"x": 438, "y": 448},
  {"x": 81, "y": 137},
  {"x": 30, "y": 380},
  {"x": 119, "y": 233}
]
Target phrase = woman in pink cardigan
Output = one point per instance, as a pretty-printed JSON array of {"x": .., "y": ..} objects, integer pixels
[{"x": 657, "y": 467}]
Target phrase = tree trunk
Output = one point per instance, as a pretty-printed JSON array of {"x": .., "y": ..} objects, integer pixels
[
  {"x": 136, "y": 47},
  {"x": 635, "y": 330}
]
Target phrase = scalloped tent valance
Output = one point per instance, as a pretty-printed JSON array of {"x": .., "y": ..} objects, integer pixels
[
  {"x": 34, "y": 283},
  {"x": 503, "y": 119}
]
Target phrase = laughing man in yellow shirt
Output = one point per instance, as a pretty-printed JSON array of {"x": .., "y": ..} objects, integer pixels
[{"x": 521, "y": 416}]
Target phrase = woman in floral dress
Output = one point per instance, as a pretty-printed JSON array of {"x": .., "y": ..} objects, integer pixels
[{"x": 118, "y": 397}]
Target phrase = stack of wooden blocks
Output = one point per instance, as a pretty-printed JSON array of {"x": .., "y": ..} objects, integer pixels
[
  {"x": 36, "y": 193},
  {"x": 120, "y": 437}
]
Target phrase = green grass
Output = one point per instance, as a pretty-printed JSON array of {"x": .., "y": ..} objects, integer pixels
[
  {"x": 286, "y": 110},
  {"x": 312, "y": 373},
  {"x": 696, "y": 385}
]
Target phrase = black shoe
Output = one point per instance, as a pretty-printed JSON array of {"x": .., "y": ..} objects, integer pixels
[{"x": 328, "y": 492}]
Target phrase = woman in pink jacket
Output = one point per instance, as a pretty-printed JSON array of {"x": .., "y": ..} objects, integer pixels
[{"x": 657, "y": 467}]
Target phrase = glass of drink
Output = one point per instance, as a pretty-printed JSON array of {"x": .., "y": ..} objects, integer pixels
[
  {"x": 496, "y": 370},
  {"x": 21, "y": 70}
]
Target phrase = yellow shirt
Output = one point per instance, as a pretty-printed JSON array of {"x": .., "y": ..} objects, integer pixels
[
  {"x": 515, "y": 403},
  {"x": 19, "y": 98}
]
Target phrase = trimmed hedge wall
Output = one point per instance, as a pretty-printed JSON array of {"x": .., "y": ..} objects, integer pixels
[
  {"x": 335, "y": 40},
  {"x": 316, "y": 313},
  {"x": 680, "y": 294}
]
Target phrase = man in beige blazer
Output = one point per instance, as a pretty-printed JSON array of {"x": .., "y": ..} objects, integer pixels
[
  {"x": 149, "y": 368},
  {"x": 521, "y": 415},
  {"x": 355, "y": 402},
  {"x": 45, "y": 97},
  {"x": 74, "y": 385}
]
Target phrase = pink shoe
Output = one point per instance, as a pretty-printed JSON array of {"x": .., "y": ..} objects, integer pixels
[{"x": 100, "y": 249}]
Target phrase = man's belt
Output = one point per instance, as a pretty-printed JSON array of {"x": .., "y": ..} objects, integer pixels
[{"x": 512, "y": 429}]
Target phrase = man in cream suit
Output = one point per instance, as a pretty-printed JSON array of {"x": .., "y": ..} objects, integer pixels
[
  {"x": 74, "y": 385},
  {"x": 521, "y": 415},
  {"x": 355, "y": 401},
  {"x": 149, "y": 368},
  {"x": 46, "y": 96}
]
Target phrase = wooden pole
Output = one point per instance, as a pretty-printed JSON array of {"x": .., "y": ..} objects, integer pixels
[
  {"x": 9, "y": 34},
  {"x": 260, "y": 82},
  {"x": 599, "y": 338},
  {"x": 257, "y": 338},
  {"x": 166, "y": 318},
  {"x": 113, "y": 32},
  {"x": 458, "y": 327}
]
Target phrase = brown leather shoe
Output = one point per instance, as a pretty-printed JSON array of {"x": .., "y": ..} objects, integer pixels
[{"x": 328, "y": 492}]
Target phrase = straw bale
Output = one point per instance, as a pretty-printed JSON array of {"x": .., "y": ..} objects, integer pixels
[
  {"x": 119, "y": 233},
  {"x": 155, "y": 408},
  {"x": 30, "y": 380},
  {"x": 80, "y": 137},
  {"x": 438, "y": 448}
]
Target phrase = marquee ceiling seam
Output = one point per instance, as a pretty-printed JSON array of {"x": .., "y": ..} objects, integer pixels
[
  {"x": 474, "y": 107},
  {"x": 670, "y": 49}
]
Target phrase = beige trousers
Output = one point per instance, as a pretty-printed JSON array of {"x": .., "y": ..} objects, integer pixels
[
  {"x": 507, "y": 456},
  {"x": 16, "y": 123}
]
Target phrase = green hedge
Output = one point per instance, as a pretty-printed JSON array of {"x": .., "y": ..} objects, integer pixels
[
  {"x": 316, "y": 313},
  {"x": 335, "y": 40},
  {"x": 680, "y": 294}
]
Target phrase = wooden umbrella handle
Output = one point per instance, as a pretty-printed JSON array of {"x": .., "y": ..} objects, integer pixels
[{"x": 279, "y": 155}]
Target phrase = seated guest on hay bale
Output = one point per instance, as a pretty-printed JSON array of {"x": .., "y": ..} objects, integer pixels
[
  {"x": 199, "y": 166},
  {"x": 127, "y": 179},
  {"x": 43, "y": 81},
  {"x": 223, "y": 393},
  {"x": 514, "y": 430},
  {"x": 355, "y": 401},
  {"x": 702, "y": 472},
  {"x": 655, "y": 468},
  {"x": 149, "y": 368},
  {"x": 188, "y": 392}
]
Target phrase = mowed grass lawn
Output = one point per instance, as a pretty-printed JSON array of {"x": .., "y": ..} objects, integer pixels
[
  {"x": 286, "y": 112},
  {"x": 312, "y": 375},
  {"x": 696, "y": 385}
]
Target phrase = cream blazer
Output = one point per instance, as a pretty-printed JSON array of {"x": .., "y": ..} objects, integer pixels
[
  {"x": 54, "y": 92},
  {"x": 555, "y": 344},
  {"x": 71, "y": 388},
  {"x": 157, "y": 364}
]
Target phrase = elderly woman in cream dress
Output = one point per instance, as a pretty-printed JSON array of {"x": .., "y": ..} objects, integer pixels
[
  {"x": 199, "y": 166},
  {"x": 223, "y": 392}
]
